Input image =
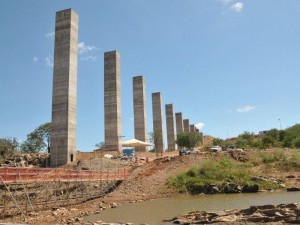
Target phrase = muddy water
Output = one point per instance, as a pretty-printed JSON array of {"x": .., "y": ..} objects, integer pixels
[{"x": 153, "y": 212}]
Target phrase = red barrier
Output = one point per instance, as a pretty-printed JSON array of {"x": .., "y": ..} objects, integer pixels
[{"x": 25, "y": 175}]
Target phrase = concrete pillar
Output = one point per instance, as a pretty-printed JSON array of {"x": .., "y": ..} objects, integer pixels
[
  {"x": 186, "y": 125},
  {"x": 140, "y": 112},
  {"x": 158, "y": 133},
  {"x": 64, "y": 95},
  {"x": 170, "y": 127},
  {"x": 112, "y": 100},
  {"x": 179, "y": 122},
  {"x": 192, "y": 128}
]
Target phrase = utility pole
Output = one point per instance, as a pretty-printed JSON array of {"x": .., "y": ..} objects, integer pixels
[{"x": 280, "y": 124}]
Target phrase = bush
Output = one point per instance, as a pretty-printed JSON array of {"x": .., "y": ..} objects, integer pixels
[{"x": 215, "y": 172}]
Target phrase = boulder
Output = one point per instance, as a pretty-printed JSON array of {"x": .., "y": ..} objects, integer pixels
[
  {"x": 293, "y": 189},
  {"x": 212, "y": 189},
  {"x": 230, "y": 188},
  {"x": 250, "y": 188}
]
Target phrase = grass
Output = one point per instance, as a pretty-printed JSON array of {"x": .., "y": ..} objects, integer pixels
[
  {"x": 220, "y": 172},
  {"x": 279, "y": 159}
]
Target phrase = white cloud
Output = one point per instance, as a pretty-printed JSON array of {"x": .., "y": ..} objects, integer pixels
[
  {"x": 89, "y": 58},
  {"x": 83, "y": 48},
  {"x": 245, "y": 108},
  {"x": 49, "y": 60},
  {"x": 35, "y": 59},
  {"x": 199, "y": 125},
  {"x": 50, "y": 35},
  {"x": 237, "y": 7}
]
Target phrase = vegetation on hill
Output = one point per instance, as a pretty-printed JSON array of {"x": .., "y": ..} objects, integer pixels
[
  {"x": 224, "y": 171},
  {"x": 288, "y": 138}
]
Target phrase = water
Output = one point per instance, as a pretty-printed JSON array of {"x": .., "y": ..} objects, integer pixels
[{"x": 154, "y": 212}]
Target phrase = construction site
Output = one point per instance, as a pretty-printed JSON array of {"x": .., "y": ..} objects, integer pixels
[{"x": 25, "y": 190}]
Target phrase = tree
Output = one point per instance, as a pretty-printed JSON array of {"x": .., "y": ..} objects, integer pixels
[
  {"x": 218, "y": 141},
  {"x": 188, "y": 139},
  {"x": 154, "y": 138},
  {"x": 8, "y": 146},
  {"x": 100, "y": 145},
  {"x": 38, "y": 140}
]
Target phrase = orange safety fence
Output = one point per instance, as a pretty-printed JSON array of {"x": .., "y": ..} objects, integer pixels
[{"x": 15, "y": 175}]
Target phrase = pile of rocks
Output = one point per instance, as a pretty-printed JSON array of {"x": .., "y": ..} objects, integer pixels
[
  {"x": 283, "y": 213},
  {"x": 227, "y": 187},
  {"x": 25, "y": 160}
]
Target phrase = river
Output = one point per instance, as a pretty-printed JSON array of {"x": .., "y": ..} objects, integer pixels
[{"x": 153, "y": 212}]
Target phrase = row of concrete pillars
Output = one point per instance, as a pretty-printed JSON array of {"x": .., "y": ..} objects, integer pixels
[{"x": 63, "y": 142}]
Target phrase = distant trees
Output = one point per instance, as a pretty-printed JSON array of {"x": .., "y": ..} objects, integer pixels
[
  {"x": 100, "y": 145},
  {"x": 219, "y": 142},
  {"x": 188, "y": 139},
  {"x": 8, "y": 146},
  {"x": 38, "y": 140},
  {"x": 289, "y": 138}
]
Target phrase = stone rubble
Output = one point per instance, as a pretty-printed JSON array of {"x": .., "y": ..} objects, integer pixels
[
  {"x": 280, "y": 214},
  {"x": 25, "y": 160}
]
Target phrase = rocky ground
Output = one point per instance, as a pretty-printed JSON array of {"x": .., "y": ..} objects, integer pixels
[
  {"x": 146, "y": 181},
  {"x": 281, "y": 214}
]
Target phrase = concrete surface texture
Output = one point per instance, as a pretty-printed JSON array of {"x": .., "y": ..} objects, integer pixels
[
  {"x": 179, "y": 122},
  {"x": 158, "y": 132},
  {"x": 140, "y": 111},
  {"x": 64, "y": 96},
  {"x": 192, "y": 128},
  {"x": 170, "y": 127},
  {"x": 112, "y": 100},
  {"x": 186, "y": 125}
]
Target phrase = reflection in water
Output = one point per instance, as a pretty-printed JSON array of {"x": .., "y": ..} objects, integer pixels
[{"x": 154, "y": 212}]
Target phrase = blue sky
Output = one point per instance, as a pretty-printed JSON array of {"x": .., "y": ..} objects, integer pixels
[{"x": 229, "y": 66}]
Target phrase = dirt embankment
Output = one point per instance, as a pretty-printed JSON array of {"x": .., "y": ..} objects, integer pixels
[{"x": 146, "y": 181}]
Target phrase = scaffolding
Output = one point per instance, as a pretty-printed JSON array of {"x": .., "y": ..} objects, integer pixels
[{"x": 24, "y": 190}]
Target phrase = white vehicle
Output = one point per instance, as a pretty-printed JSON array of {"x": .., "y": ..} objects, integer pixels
[{"x": 216, "y": 149}]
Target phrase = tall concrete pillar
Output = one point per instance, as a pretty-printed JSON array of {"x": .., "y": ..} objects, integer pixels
[
  {"x": 179, "y": 122},
  {"x": 64, "y": 96},
  {"x": 139, "y": 108},
  {"x": 186, "y": 125},
  {"x": 158, "y": 133},
  {"x": 192, "y": 128},
  {"x": 170, "y": 127},
  {"x": 112, "y": 100}
]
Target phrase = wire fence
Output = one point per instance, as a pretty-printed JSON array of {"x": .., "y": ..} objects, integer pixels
[{"x": 24, "y": 190}]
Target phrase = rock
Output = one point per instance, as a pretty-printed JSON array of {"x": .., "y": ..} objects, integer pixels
[
  {"x": 291, "y": 206},
  {"x": 259, "y": 178},
  {"x": 293, "y": 189},
  {"x": 291, "y": 177},
  {"x": 78, "y": 219},
  {"x": 230, "y": 188},
  {"x": 282, "y": 185},
  {"x": 259, "y": 219},
  {"x": 264, "y": 207},
  {"x": 212, "y": 189},
  {"x": 250, "y": 188},
  {"x": 114, "y": 205}
]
